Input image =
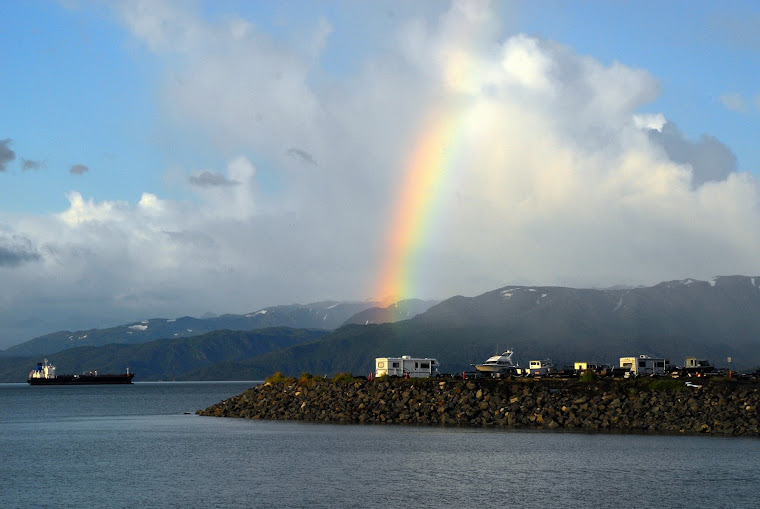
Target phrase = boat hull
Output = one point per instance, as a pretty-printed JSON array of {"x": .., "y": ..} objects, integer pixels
[
  {"x": 83, "y": 380},
  {"x": 496, "y": 370}
]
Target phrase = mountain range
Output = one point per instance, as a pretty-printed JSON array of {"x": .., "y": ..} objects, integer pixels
[
  {"x": 319, "y": 315},
  {"x": 708, "y": 319},
  {"x": 164, "y": 359}
]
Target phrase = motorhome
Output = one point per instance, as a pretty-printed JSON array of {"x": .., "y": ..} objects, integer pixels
[
  {"x": 406, "y": 366},
  {"x": 645, "y": 365}
]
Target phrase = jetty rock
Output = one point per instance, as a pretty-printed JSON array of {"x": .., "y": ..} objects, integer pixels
[{"x": 716, "y": 407}]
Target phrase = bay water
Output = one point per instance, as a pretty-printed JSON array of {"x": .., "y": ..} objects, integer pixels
[{"x": 141, "y": 445}]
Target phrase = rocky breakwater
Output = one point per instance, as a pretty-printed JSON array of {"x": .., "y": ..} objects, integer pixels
[{"x": 719, "y": 407}]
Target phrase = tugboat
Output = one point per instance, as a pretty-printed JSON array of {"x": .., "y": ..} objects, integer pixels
[
  {"x": 44, "y": 374},
  {"x": 697, "y": 367},
  {"x": 542, "y": 368}
]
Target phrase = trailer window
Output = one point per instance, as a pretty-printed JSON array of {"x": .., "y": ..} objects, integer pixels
[
  {"x": 416, "y": 365},
  {"x": 395, "y": 364},
  {"x": 425, "y": 365},
  {"x": 381, "y": 364},
  {"x": 642, "y": 364}
]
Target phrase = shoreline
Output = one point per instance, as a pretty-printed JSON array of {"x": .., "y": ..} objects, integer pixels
[{"x": 651, "y": 405}]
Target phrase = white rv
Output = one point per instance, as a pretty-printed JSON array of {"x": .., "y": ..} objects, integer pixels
[
  {"x": 406, "y": 366},
  {"x": 645, "y": 365}
]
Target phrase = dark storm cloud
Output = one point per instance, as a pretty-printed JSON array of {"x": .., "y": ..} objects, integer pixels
[
  {"x": 6, "y": 154},
  {"x": 211, "y": 179},
  {"x": 28, "y": 164},
  {"x": 710, "y": 159},
  {"x": 304, "y": 156},
  {"x": 16, "y": 250},
  {"x": 78, "y": 169}
]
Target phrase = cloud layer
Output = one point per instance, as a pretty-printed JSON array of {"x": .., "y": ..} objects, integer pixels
[{"x": 553, "y": 176}]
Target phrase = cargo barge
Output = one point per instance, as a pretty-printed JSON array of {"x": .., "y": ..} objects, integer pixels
[{"x": 44, "y": 374}]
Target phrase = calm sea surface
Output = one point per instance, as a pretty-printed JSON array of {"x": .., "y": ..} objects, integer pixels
[{"x": 133, "y": 446}]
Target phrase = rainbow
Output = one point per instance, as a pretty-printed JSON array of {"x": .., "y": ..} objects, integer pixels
[
  {"x": 424, "y": 178},
  {"x": 431, "y": 167}
]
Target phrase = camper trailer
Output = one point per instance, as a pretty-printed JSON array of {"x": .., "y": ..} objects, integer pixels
[
  {"x": 406, "y": 366},
  {"x": 645, "y": 365}
]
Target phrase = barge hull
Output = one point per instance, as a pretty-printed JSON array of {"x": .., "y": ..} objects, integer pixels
[{"x": 83, "y": 380}]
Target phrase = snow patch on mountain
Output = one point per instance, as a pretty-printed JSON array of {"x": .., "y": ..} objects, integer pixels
[{"x": 619, "y": 303}]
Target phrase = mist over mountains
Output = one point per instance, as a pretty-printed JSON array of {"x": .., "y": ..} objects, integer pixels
[
  {"x": 403, "y": 310},
  {"x": 711, "y": 319}
]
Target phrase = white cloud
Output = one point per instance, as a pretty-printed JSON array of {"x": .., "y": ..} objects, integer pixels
[
  {"x": 654, "y": 121},
  {"x": 81, "y": 211},
  {"x": 235, "y": 202},
  {"x": 734, "y": 102},
  {"x": 547, "y": 173},
  {"x": 150, "y": 202},
  {"x": 527, "y": 64}
]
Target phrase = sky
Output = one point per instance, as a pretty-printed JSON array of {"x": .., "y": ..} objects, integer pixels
[{"x": 163, "y": 159}]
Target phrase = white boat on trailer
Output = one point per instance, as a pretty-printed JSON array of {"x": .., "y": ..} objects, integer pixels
[{"x": 498, "y": 364}]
